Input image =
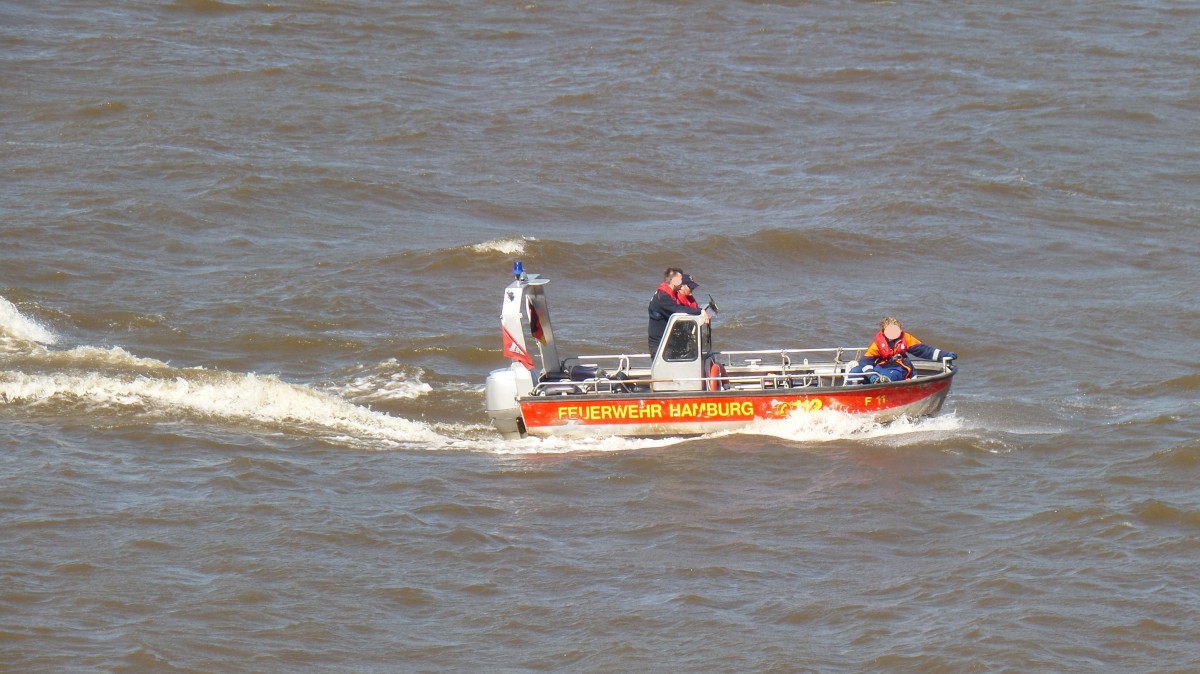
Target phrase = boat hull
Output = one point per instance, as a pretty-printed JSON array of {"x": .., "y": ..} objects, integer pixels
[{"x": 699, "y": 412}]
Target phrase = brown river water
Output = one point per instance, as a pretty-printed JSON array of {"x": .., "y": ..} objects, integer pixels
[{"x": 251, "y": 262}]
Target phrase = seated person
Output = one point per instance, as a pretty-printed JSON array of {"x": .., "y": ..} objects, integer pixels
[{"x": 887, "y": 357}]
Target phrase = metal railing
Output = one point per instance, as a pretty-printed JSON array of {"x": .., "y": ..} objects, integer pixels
[{"x": 770, "y": 369}]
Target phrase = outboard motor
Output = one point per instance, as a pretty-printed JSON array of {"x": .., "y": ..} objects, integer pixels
[{"x": 504, "y": 386}]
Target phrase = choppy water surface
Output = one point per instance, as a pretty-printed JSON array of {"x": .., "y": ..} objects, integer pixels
[{"x": 251, "y": 258}]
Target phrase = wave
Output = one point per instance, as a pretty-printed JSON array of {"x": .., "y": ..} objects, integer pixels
[
  {"x": 1185, "y": 384},
  {"x": 817, "y": 427},
  {"x": 386, "y": 381},
  {"x": 505, "y": 246},
  {"x": 1154, "y": 511},
  {"x": 780, "y": 248},
  {"x": 454, "y": 259},
  {"x": 829, "y": 426},
  {"x": 534, "y": 445},
  {"x": 15, "y": 325},
  {"x": 93, "y": 380},
  {"x": 1185, "y": 456},
  {"x": 217, "y": 7},
  {"x": 225, "y": 397}
]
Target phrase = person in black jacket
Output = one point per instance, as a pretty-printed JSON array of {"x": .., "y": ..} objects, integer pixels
[{"x": 664, "y": 303}]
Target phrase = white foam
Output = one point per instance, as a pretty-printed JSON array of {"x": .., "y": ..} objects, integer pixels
[
  {"x": 553, "y": 445},
  {"x": 16, "y": 325},
  {"x": 509, "y": 246},
  {"x": 389, "y": 380},
  {"x": 829, "y": 425},
  {"x": 96, "y": 357},
  {"x": 101, "y": 379},
  {"x": 225, "y": 396},
  {"x": 814, "y": 427}
]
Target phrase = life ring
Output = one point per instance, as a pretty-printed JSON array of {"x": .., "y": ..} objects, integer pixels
[{"x": 716, "y": 376}]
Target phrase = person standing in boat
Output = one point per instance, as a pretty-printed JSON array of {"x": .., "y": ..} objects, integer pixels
[
  {"x": 667, "y": 301},
  {"x": 886, "y": 359},
  {"x": 686, "y": 293}
]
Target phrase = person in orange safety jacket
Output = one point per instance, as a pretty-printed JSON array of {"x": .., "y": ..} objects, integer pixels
[{"x": 886, "y": 359}]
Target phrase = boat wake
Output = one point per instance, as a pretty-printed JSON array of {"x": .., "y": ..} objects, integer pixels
[
  {"x": 17, "y": 330},
  {"x": 808, "y": 428},
  {"x": 387, "y": 381},
  {"x": 563, "y": 445},
  {"x": 89, "y": 381},
  {"x": 829, "y": 426},
  {"x": 264, "y": 403}
]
